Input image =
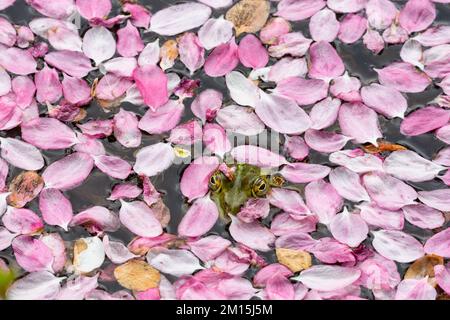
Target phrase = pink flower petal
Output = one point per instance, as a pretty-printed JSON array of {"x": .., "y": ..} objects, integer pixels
[
  {"x": 380, "y": 13},
  {"x": 173, "y": 261},
  {"x": 139, "y": 219},
  {"x": 113, "y": 166},
  {"x": 324, "y": 141},
  {"x": 349, "y": 228},
  {"x": 284, "y": 223},
  {"x": 199, "y": 219},
  {"x": 187, "y": 133},
  {"x": 21, "y": 154},
  {"x": 129, "y": 42},
  {"x": 411, "y": 52},
  {"x": 99, "y": 44},
  {"x": 154, "y": 159},
  {"x": 56, "y": 244},
  {"x": 125, "y": 190},
  {"x": 438, "y": 199},
  {"x": 48, "y": 86},
  {"x": 32, "y": 254},
  {"x": 242, "y": 90},
  {"x": 379, "y": 272},
  {"x": 414, "y": 289},
  {"x": 348, "y": 184},
  {"x": 434, "y": 36},
  {"x": 300, "y": 172},
  {"x": 397, "y": 245},
  {"x": 140, "y": 16},
  {"x": 253, "y": 234},
  {"x": 439, "y": 244},
  {"x": 22, "y": 221},
  {"x": 24, "y": 89},
  {"x": 296, "y": 147},
  {"x": 68, "y": 172},
  {"x": 191, "y": 52},
  {"x": 296, "y": 10},
  {"x": 403, "y": 77},
  {"x": 76, "y": 91},
  {"x": 222, "y": 60},
  {"x": 6, "y": 238},
  {"x": 293, "y": 43},
  {"x": 165, "y": 118},
  {"x": 209, "y": 247},
  {"x": 41, "y": 285},
  {"x": 179, "y": 18},
  {"x": 78, "y": 288},
  {"x": 303, "y": 91},
  {"x": 325, "y": 63},
  {"x": 373, "y": 41},
  {"x": 116, "y": 251},
  {"x": 442, "y": 276},
  {"x": 9, "y": 58},
  {"x": 152, "y": 84},
  {"x": 206, "y": 104},
  {"x": 359, "y": 122},
  {"x": 323, "y": 200},
  {"x": 443, "y": 134},
  {"x": 97, "y": 219},
  {"x": 215, "y": 139},
  {"x": 346, "y": 88},
  {"x": 48, "y": 134},
  {"x": 324, "y": 113},
  {"x": 257, "y": 156},
  {"x": 59, "y": 10},
  {"x": 423, "y": 216},
  {"x": 241, "y": 120},
  {"x": 56, "y": 209},
  {"x": 64, "y": 38},
  {"x": 324, "y": 26},
  {"x": 195, "y": 179},
  {"x": 380, "y": 185},
  {"x": 417, "y": 15},
  {"x": 357, "y": 160},
  {"x": 75, "y": 64},
  {"x": 288, "y": 200},
  {"x": 286, "y": 68},
  {"x": 282, "y": 114},
  {"x": 352, "y": 28},
  {"x": 126, "y": 129},
  {"x": 252, "y": 53},
  {"x": 328, "y": 278},
  {"x": 279, "y": 288},
  {"x": 383, "y": 218},
  {"x": 93, "y": 9},
  {"x": 384, "y": 100},
  {"x": 215, "y": 32},
  {"x": 5, "y": 82},
  {"x": 424, "y": 120}
]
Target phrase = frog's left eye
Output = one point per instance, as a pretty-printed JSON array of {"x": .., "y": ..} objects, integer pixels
[
  {"x": 277, "y": 180},
  {"x": 215, "y": 182},
  {"x": 260, "y": 187}
]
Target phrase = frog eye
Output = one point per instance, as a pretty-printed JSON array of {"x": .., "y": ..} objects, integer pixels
[
  {"x": 277, "y": 180},
  {"x": 260, "y": 187},
  {"x": 215, "y": 182}
]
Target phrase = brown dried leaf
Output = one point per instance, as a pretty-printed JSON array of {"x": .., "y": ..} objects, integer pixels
[
  {"x": 249, "y": 15},
  {"x": 423, "y": 267},
  {"x": 24, "y": 188},
  {"x": 383, "y": 146},
  {"x": 295, "y": 260},
  {"x": 137, "y": 275}
]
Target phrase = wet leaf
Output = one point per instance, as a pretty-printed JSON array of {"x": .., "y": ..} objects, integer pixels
[
  {"x": 137, "y": 275},
  {"x": 249, "y": 15},
  {"x": 424, "y": 267},
  {"x": 383, "y": 146},
  {"x": 24, "y": 188},
  {"x": 295, "y": 260}
]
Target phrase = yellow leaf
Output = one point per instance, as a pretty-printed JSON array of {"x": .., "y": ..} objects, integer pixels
[
  {"x": 424, "y": 267},
  {"x": 249, "y": 15},
  {"x": 295, "y": 260},
  {"x": 24, "y": 188},
  {"x": 137, "y": 275}
]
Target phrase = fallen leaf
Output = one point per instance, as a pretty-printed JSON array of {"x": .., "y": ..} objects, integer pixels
[
  {"x": 137, "y": 275},
  {"x": 383, "y": 146},
  {"x": 295, "y": 260},
  {"x": 24, "y": 188},
  {"x": 424, "y": 267},
  {"x": 249, "y": 15}
]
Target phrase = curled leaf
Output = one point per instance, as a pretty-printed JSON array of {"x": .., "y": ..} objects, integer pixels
[{"x": 249, "y": 15}]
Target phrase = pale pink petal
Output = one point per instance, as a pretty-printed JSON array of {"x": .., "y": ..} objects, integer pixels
[
  {"x": 359, "y": 122},
  {"x": 199, "y": 219},
  {"x": 75, "y": 64},
  {"x": 206, "y": 104},
  {"x": 417, "y": 15},
  {"x": 323, "y": 200},
  {"x": 6, "y": 238},
  {"x": 284, "y": 223},
  {"x": 296, "y": 147},
  {"x": 328, "y": 278},
  {"x": 296, "y": 241},
  {"x": 253, "y": 234},
  {"x": 303, "y": 91},
  {"x": 357, "y": 160},
  {"x": 404, "y": 77},
  {"x": 48, "y": 86},
  {"x": 97, "y": 219},
  {"x": 4, "y": 169},
  {"x": 215, "y": 32},
  {"x": 174, "y": 262},
  {"x": 257, "y": 156},
  {"x": 195, "y": 179},
  {"x": 324, "y": 141},
  {"x": 379, "y": 272},
  {"x": 215, "y": 139},
  {"x": 346, "y": 88},
  {"x": 99, "y": 44},
  {"x": 56, "y": 244},
  {"x": 439, "y": 244},
  {"x": 442, "y": 276},
  {"x": 187, "y": 133},
  {"x": 48, "y": 134},
  {"x": 9, "y": 58},
  {"x": 6, "y": 3},
  {"x": 78, "y": 288},
  {"x": 217, "y": 3},
  {"x": 397, "y": 245},
  {"x": 242, "y": 90},
  {"x": 179, "y": 18},
  {"x": 424, "y": 120},
  {"x": 329, "y": 250},
  {"x": 293, "y": 43},
  {"x": 241, "y": 120},
  {"x": 380, "y": 13},
  {"x": 252, "y": 53},
  {"x": 279, "y": 288},
  {"x": 113, "y": 166},
  {"x": 24, "y": 89},
  {"x": 253, "y": 209},
  {"x": 139, "y": 219},
  {"x": 55, "y": 208},
  {"x": 324, "y": 26},
  {"x": 352, "y": 28},
  {"x": 21, "y": 154},
  {"x": 125, "y": 191},
  {"x": 129, "y": 42},
  {"x": 289, "y": 201},
  {"x": 384, "y": 100},
  {"x": 112, "y": 87},
  {"x": 191, "y": 52},
  {"x": 324, "y": 113},
  {"x": 412, "y": 53},
  {"x": 383, "y": 218},
  {"x": 116, "y": 251},
  {"x": 140, "y": 16},
  {"x": 150, "y": 55},
  {"x": 94, "y": 9},
  {"x": 434, "y": 36},
  {"x": 89, "y": 145},
  {"x": 438, "y": 199},
  {"x": 443, "y": 134},
  {"x": 5, "y": 82},
  {"x": 126, "y": 129},
  {"x": 41, "y": 285},
  {"x": 154, "y": 159},
  {"x": 349, "y": 228},
  {"x": 380, "y": 185},
  {"x": 165, "y": 118},
  {"x": 76, "y": 91},
  {"x": 373, "y": 41},
  {"x": 68, "y": 172},
  {"x": 152, "y": 84},
  {"x": 296, "y": 10},
  {"x": 423, "y": 216},
  {"x": 286, "y": 68},
  {"x": 120, "y": 66},
  {"x": 22, "y": 221},
  {"x": 222, "y": 60},
  {"x": 325, "y": 63},
  {"x": 300, "y": 172},
  {"x": 59, "y": 10},
  {"x": 415, "y": 289},
  {"x": 443, "y": 157},
  {"x": 209, "y": 247},
  {"x": 408, "y": 165},
  {"x": 63, "y": 38},
  {"x": 32, "y": 254},
  {"x": 273, "y": 29}
]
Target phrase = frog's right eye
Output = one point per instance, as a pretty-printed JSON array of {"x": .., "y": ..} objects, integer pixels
[{"x": 215, "y": 182}]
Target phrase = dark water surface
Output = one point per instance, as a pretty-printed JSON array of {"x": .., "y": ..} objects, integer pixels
[{"x": 359, "y": 62}]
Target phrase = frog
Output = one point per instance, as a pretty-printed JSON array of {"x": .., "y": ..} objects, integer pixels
[{"x": 230, "y": 192}]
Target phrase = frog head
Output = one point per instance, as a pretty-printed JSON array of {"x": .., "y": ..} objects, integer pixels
[{"x": 231, "y": 192}]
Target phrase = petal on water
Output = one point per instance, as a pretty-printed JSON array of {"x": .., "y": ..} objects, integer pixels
[
  {"x": 32, "y": 254},
  {"x": 174, "y": 262},
  {"x": 222, "y": 60},
  {"x": 242, "y": 90},
  {"x": 55, "y": 208},
  {"x": 41, "y": 285},
  {"x": 195, "y": 179},
  {"x": 152, "y": 84},
  {"x": 126, "y": 129},
  {"x": 154, "y": 159},
  {"x": 349, "y": 228},
  {"x": 384, "y": 100},
  {"x": 253, "y": 234},
  {"x": 75, "y": 64},
  {"x": 323, "y": 200},
  {"x": 99, "y": 44},
  {"x": 324, "y": 26},
  {"x": 404, "y": 77},
  {"x": 139, "y": 219},
  {"x": 325, "y": 63},
  {"x": 397, "y": 245},
  {"x": 48, "y": 134},
  {"x": 303, "y": 91},
  {"x": 424, "y": 120},
  {"x": 257, "y": 156},
  {"x": 417, "y": 15},
  {"x": 21, "y": 154},
  {"x": 215, "y": 32},
  {"x": 199, "y": 219},
  {"x": 93, "y": 9},
  {"x": 328, "y": 278},
  {"x": 113, "y": 166},
  {"x": 241, "y": 120},
  {"x": 300, "y": 172},
  {"x": 299, "y": 10},
  {"x": 439, "y": 244}
]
